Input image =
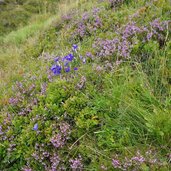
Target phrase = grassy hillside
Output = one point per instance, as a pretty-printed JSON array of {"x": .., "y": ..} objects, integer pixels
[
  {"x": 15, "y": 14},
  {"x": 88, "y": 88}
]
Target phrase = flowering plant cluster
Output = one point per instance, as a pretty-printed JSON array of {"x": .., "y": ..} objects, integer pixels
[
  {"x": 131, "y": 34},
  {"x": 48, "y": 154},
  {"x": 59, "y": 139},
  {"x": 67, "y": 63},
  {"x": 76, "y": 164},
  {"x": 88, "y": 24},
  {"x": 136, "y": 162},
  {"x": 24, "y": 93}
]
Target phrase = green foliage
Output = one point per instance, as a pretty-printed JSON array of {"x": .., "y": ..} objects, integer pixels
[{"x": 16, "y": 14}]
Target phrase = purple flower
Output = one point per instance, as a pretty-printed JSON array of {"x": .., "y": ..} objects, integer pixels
[
  {"x": 85, "y": 16},
  {"x": 67, "y": 69},
  {"x": 116, "y": 163},
  {"x": 139, "y": 159},
  {"x": 69, "y": 57},
  {"x": 96, "y": 10},
  {"x": 55, "y": 160},
  {"x": 13, "y": 101},
  {"x": 74, "y": 47},
  {"x": 26, "y": 169},
  {"x": 43, "y": 89},
  {"x": 76, "y": 163},
  {"x": 56, "y": 69},
  {"x": 56, "y": 59},
  {"x": 149, "y": 36},
  {"x": 89, "y": 54},
  {"x": 57, "y": 140},
  {"x": 65, "y": 128},
  {"x": 75, "y": 69},
  {"x": 35, "y": 128}
]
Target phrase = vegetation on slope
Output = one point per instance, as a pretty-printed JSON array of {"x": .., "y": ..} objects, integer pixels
[
  {"x": 92, "y": 92},
  {"x": 18, "y": 13}
]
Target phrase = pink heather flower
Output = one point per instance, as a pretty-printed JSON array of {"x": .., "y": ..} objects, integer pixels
[
  {"x": 139, "y": 159},
  {"x": 65, "y": 128},
  {"x": 43, "y": 88},
  {"x": 27, "y": 169},
  {"x": 13, "y": 101},
  {"x": 76, "y": 163},
  {"x": 116, "y": 163},
  {"x": 55, "y": 160},
  {"x": 57, "y": 140}
]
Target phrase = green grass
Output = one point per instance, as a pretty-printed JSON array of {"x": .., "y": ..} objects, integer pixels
[{"x": 18, "y": 37}]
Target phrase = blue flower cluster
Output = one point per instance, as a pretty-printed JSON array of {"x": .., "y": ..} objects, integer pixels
[{"x": 63, "y": 64}]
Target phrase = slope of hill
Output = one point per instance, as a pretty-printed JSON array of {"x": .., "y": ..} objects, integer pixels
[
  {"x": 91, "y": 89},
  {"x": 15, "y": 14}
]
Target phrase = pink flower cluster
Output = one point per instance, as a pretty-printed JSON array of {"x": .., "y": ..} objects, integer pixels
[{"x": 121, "y": 46}]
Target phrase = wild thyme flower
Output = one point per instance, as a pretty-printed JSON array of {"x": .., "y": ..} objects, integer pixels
[
  {"x": 96, "y": 11},
  {"x": 55, "y": 160},
  {"x": 65, "y": 128},
  {"x": 130, "y": 30},
  {"x": 85, "y": 16},
  {"x": 116, "y": 163},
  {"x": 43, "y": 88},
  {"x": 88, "y": 24},
  {"x": 139, "y": 159},
  {"x": 89, "y": 54},
  {"x": 67, "y": 17},
  {"x": 57, "y": 140},
  {"x": 157, "y": 24},
  {"x": 27, "y": 169},
  {"x": 13, "y": 101},
  {"x": 76, "y": 163}
]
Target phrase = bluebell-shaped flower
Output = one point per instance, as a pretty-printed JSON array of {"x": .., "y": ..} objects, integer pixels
[
  {"x": 67, "y": 69},
  {"x": 35, "y": 128},
  {"x": 74, "y": 47},
  {"x": 56, "y": 69},
  {"x": 70, "y": 57}
]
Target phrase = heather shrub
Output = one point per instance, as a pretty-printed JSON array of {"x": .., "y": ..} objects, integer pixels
[{"x": 87, "y": 25}]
